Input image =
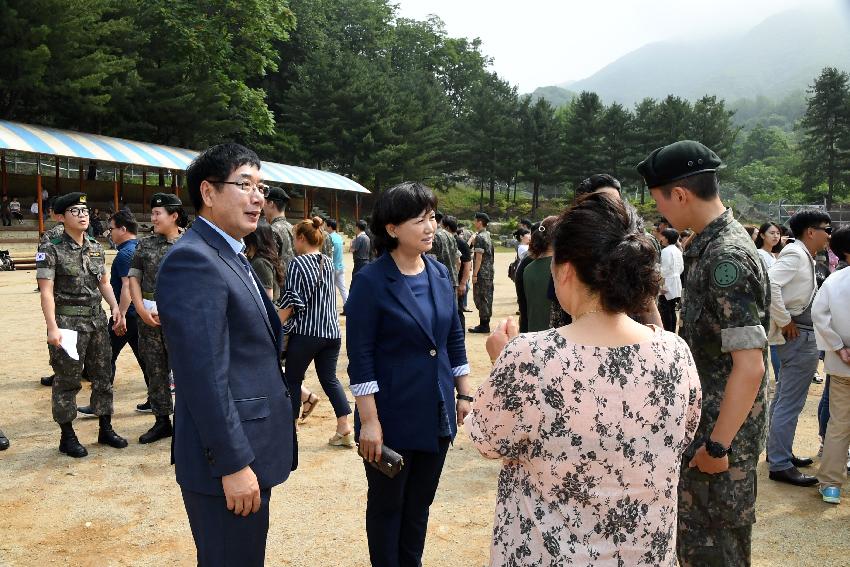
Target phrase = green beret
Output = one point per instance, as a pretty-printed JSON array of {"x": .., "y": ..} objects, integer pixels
[
  {"x": 277, "y": 194},
  {"x": 483, "y": 216},
  {"x": 165, "y": 200},
  {"x": 677, "y": 161},
  {"x": 65, "y": 202}
]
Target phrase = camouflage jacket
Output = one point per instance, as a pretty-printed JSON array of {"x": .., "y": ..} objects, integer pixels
[
  {"x": 150, "y": 252},
  {"x": 484, "y": 244},
  {"x": 725, "y": 309},
  {"x": 444, "y": 250},
  {"x": 55, "y": 232},
  {"x": 75, "y": 270},
  {"x": 327, "y": 245},
  {"x": 285, "y": 241}
]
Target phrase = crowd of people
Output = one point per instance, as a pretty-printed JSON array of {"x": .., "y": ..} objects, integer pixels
[{"x": 628, "y": 404}]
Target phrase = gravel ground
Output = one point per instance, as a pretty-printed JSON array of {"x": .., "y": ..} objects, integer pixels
[{"x": 124, "y": 508}]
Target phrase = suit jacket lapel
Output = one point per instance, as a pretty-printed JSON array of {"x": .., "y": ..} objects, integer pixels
[
  {"x": 399, "y": 289},
  {"x": 225, "y": 252}
]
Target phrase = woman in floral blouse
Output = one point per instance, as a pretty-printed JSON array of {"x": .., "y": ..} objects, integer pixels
[{"x": 590, "y": 420}]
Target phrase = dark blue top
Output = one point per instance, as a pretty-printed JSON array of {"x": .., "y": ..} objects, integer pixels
[
  {"x": 120, "y": 269},
  {"x": 421, "y": 290}
]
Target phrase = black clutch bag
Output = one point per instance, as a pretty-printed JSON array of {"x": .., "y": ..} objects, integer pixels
[{"x": 390, "y": 464}]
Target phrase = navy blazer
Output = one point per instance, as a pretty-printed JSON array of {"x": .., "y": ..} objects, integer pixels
[
  {"x": 232, "y": 406},
  {"x": 390, "y": 345}
]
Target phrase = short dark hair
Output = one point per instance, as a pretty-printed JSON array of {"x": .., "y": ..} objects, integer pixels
[
  {"x": 802, "y": 220},
  {"x": 840, "y": 242},
  {"x": 438, "y": 216},
  {"x": 125, "y": 219},
  {"x": 600, "y": 238},
  {"x": 280, "y": 204},
  {"x": 331, "y": 223},
  {"x": 397, "y": 204},
  {"x": 596, "y": 182},
  {"x": 527, "y": 224},
  {"x": 362, "y": 225},
  {"x": 671, "y": 235},
  {"x": 661, "y": 221},
  {"x": 520, "y": 232},
  {"x": 216, "y": 164},
  {"x": 450, "y": 223},
  {"x": 704, "y": 185},
  {"x": 542, "y": 235}
]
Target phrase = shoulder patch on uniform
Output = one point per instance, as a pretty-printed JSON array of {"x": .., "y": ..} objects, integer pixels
[
  {"x": 726, "y": 273},
  {"x": 40, "y": 256},
  {"x": 56, "y": 240}
]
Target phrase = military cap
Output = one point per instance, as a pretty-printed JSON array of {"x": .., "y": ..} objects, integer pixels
[
  {"x": 483, "y": 216},
  {"x": 165, "y": 200},
  {"x": 65, "y": 202},
  {"x": 277, "y": 194},
  {"x": 677, "y": 161}
]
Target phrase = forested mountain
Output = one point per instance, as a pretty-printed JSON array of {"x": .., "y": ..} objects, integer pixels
[{"x": 775, "y": 59}]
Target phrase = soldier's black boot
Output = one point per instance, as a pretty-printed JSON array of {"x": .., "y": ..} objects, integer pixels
[
  {"x": 47, "y": 380},
  {"x": 4, "y": 441},
  {"x": 160, "y": 430},
  {"x": 69, "y": 444},
  {"x": 107, "y": 435},
  {"x": 483, "y": 327}
]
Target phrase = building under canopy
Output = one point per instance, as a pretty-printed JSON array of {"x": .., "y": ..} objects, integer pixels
[{"x": 39, "y": 151}]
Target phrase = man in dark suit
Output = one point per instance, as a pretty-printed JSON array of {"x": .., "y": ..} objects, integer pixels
[{"x": 234, "y": 433}]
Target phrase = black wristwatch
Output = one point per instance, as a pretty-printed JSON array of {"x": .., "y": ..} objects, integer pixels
[
  {"x": 716, "y": 450},
  {"x": 464, "y": 398}
]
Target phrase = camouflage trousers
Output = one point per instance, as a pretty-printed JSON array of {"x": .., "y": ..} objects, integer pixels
[
  {"x": 96, "y": 356},
  {"x": 482, "y": 295},
  {"x": 155, "y": 357},
  {"x": 716, "y": 515}
]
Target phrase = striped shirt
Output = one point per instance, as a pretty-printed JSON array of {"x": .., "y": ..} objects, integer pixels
[{"x": 313, "y": 306}]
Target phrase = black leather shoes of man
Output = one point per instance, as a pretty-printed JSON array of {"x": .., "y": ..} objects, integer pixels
[
  {"x": 801, "y": 462},
  {"x": 71, "y": 446},
  {"x": 793, "y": 476},
  {"x": 479, "y": 329},
  {"x": 160, "y": 430},
  {"x": 4, "y": 442}
]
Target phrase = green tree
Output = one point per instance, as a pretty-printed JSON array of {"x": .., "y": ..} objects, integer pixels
[
  {"x": 581, "y": 139},
  {"x": 711, "y": 124},
  {"x": 615, "y": 126},
  {"x": 540, "y": 151},
  {"x": 826, "y": 133},
  {"x": 763, "y": 144}
]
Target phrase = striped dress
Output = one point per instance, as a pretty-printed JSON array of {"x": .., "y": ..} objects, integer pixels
[{"x": 313, "y": 303}]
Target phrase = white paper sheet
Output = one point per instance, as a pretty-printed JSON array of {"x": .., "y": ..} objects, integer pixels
[
  {"x": 69, "y": 343},
  {"x": 150, "y": 305}
]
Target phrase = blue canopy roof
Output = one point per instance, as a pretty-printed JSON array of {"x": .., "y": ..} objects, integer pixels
[{"x": 65, "y": 143}]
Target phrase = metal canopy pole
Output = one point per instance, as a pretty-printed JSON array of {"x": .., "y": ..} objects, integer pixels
[
  {"x": 81, "y": 176},
  {"x": 4, "y": 178},
  {"x": 144, "y": 188},
  {"x": 38, "y": 195},
  {"x": 115, "y": 189}
]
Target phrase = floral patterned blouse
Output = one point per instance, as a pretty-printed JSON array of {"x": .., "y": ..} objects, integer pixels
[{"x": 591, "y": 440}]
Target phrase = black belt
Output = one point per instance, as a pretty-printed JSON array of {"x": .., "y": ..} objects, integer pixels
[{"x": 78, "y": 310}]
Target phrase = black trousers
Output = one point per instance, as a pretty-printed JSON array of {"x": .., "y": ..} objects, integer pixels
[
  {"x": 397, "y": 508},
  {"x": 224, "y": 539},
  {"x": 323, "y": 353},
  {"x": 460, "y": 312},
  {"x": 131, "y": 337},
  {"x": 667, "y": 310}
]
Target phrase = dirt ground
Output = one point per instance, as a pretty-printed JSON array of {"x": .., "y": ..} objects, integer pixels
[{"x": 123, "y": 507}]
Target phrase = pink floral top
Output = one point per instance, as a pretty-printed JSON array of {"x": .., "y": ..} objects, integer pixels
[{"x": 591, "y": 440}]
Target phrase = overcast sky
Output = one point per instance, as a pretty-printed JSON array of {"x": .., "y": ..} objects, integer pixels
[{"x": 544, "y": 42}]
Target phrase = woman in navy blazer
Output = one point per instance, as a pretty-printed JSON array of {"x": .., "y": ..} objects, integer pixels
[{"x": 406, "y": 357}]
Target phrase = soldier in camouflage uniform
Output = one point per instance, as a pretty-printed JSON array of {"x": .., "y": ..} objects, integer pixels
[
  {"x": 72, "y": 280},
  {"x": 167, "y": 216},
  {"x": 57, "y": 231},
  {"x": 482, "y": 273},
  {"x": 274, "y": 211},
  {"x": 444, "y": 249},
  {"x": 724, "y": 317}
]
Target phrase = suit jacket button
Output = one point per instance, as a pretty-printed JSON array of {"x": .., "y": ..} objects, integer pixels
[{"x": 433, "y": 352}]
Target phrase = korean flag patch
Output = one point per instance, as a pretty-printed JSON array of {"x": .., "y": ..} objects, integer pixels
[{"x": 40, "y": 256}]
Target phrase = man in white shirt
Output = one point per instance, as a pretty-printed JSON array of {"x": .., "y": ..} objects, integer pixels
[
  {"x": 792, "y": 289},
  {"x": 672, "y": 266},
  {"x": 831, "y": 318}
]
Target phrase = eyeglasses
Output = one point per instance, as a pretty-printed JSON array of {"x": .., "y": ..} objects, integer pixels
[
  {"x": 78, "y": 211},
  {"x": 826, "y": 229},
  {"x": 248, "y": 186}
]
